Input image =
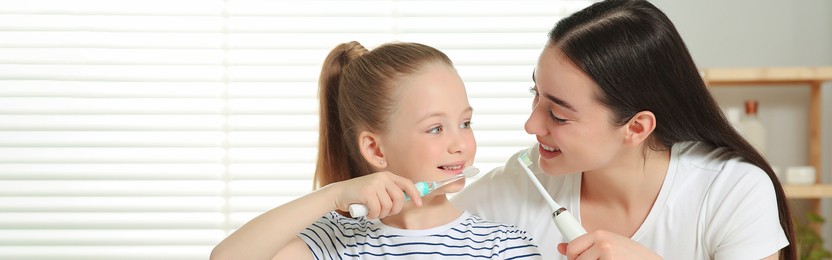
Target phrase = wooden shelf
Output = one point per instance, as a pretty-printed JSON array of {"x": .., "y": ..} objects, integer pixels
[
  {"x": 766, "y": 76},
  {"x": 816, "y": 191},
  {"x": 813, "y": 77}
]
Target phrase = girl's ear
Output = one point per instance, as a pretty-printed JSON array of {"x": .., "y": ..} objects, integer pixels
[
  {"x": 370, "y": 145},
  {"x": 640, "y": 127}
]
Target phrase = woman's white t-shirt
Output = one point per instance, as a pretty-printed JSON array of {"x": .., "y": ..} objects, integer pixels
[{"x": 712, "y": 205}]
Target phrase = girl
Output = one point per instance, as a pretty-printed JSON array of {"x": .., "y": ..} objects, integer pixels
[
  {"x": 402, "y": 112},
  {"x": 631, "y": 141}
]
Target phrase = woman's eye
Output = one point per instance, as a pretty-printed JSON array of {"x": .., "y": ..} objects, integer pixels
[
  {"x": 557, "y": 120},
  {"x": 466, "y": 124},
  {"x": 435, "y": 130},
  {"x": 533, "y": 91}
]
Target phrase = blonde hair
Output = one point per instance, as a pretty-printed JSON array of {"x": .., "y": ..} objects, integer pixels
[{"x": 356, "y": 94}]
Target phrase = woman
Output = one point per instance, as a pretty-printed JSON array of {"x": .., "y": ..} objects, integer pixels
[{"x": 630, "y": 141}]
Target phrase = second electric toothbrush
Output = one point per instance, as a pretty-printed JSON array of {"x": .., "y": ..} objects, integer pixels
[{"x": 566, "y": 223}]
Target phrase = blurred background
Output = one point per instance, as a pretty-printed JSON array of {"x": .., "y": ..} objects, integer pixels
[{"x": 153, "y": 129}]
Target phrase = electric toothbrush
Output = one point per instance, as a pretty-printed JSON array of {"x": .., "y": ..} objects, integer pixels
[
  {"x": 359, "y": 210},
  {"x": 566, "y": 223}
]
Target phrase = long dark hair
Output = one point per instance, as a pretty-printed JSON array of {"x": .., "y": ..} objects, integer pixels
[{"x": 638, "y": 60}]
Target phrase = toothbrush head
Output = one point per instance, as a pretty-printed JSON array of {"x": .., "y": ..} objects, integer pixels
[
  {"x": 524, "y": 158},
  {"x": 470, "y": 172}
]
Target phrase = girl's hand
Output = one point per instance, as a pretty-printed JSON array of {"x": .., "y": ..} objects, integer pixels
[
  {"x": 605, "y": 245},
  {"x": 381, "y": 192}
]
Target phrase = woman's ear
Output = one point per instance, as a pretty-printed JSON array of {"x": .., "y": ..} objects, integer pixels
[
  {"x": 640, "y": 127},
  {"x": 370, "y": 145}
]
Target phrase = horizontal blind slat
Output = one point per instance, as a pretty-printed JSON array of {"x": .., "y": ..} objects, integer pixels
[
  {"x": 111, "y": 56},
  {"x": 110, "y": 23},
  {"x": 110, "y": 89},
  {"x": 87, "y": 188},
  {"x": 111, "y": 139},
  {"x": 100, "y": 252},
  {"x": 123, "y": 122},
  {"x": 90, "y": 39},
  {"x": 111, "y": 204},
  {"x": 110, "y": 220},
  {"x": 111, "y": 155},
  {"x": 98, "y": 7},
  {"x": 88, "y": 237},
  {"x": 75, "y": 72},
  {"x": 111, "y": 106},
  {"x": 114, "y": 171}
]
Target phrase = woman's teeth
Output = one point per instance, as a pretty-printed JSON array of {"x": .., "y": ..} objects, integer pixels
[
  {"x": 451, "y": 168},
  {"x": 551, "y": 149}
]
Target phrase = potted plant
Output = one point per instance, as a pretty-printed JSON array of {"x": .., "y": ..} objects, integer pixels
[{"x": 809, "y": 242}]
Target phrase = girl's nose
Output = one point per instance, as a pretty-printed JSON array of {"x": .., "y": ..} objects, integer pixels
[
  {"x": 457, "y": 146},
  {"x": 459, "y": 141}
]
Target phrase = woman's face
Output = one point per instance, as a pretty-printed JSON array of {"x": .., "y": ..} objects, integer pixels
[
  {"x": 430, "y": 136},
  {"x": 573, "y": 129}
]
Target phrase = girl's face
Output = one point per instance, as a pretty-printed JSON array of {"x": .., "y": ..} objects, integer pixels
[
  {"x": 574, "y": 131},
  {"x": 430, "y": 137}
]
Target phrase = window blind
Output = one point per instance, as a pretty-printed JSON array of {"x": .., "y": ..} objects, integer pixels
[{"x": 152, "y": 129}]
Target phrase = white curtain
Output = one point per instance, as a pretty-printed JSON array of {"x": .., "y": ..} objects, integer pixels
[{"x": 153, "y": 129}]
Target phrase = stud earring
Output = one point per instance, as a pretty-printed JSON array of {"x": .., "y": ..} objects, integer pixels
[{"x": 381, "y": 162}]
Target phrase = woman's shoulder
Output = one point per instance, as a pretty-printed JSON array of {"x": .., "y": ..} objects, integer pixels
[
  {"x": 708, "y": 158},
  {"x": 720, "y": 168}
]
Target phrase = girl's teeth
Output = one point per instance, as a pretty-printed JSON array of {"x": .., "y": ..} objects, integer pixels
[{"x": 451, "y": 167}]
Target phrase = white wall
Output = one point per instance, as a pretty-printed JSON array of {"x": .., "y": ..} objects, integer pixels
[{"x": 766, "y": 33}]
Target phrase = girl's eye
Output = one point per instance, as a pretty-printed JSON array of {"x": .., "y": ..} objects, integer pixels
[
  {"x": 466, "y": 124},
  {"x": 435, "y": 130},
  {"x": 557, "y": 120}
]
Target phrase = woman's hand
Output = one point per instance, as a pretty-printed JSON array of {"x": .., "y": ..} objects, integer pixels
[
  {"x": 381, "y": 192},
  {"x": 605, "y": 245}
]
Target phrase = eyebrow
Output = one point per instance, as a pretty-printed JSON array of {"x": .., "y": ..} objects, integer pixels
[
  {"x": 469, "y": 109},
  {"x": 560, "y": 102},
  {"x": 555, "y": 100}
]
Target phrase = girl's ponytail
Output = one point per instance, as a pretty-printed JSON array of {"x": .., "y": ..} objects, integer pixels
[{"x": 333, "y": 160}]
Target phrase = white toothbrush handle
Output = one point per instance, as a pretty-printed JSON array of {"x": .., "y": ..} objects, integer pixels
[
  {"x": 554, "y": 206},
  {"x": 567, "y": 224},
  {"x": 358, "y": 210}
]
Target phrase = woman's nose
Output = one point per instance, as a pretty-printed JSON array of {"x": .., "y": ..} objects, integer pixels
[{"x": 534, "y": 125}]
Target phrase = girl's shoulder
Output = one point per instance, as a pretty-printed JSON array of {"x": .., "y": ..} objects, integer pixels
[
  {"x": 512, "y": 241},
  {"x": 334, "y": 220},
  {"x": 475, "y": 222}
]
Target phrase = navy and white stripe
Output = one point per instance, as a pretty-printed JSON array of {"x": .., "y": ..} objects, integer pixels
[{"x": 469, "y": 237}]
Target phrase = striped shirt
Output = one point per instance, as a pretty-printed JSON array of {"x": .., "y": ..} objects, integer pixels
[{"x": 468, "y": 237}]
